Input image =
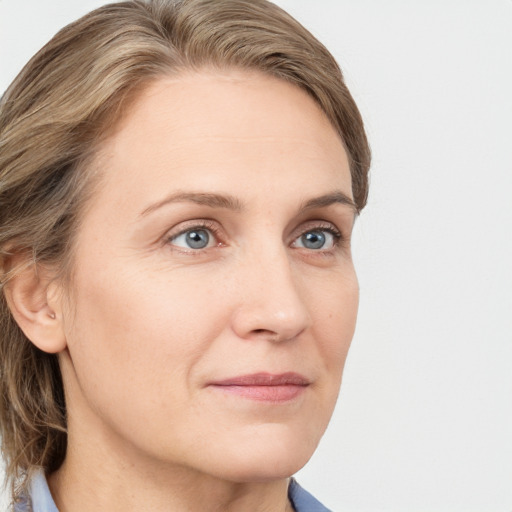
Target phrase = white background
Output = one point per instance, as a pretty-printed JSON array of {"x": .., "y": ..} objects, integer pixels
[{"x": 425, "y": 417}]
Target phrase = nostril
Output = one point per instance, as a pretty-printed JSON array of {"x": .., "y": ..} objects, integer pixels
[{"x": 265, "y": 332}]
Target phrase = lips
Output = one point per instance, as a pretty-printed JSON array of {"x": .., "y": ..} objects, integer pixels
[{"x": 264, "y": 387}]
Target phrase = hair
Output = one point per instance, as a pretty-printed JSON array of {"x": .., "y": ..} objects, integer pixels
[{"x": 62, "y": 105}]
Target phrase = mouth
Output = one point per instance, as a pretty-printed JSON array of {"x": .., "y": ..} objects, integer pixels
[{"x": 264, "y": 387}]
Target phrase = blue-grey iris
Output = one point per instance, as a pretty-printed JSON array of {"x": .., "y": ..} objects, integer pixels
[
  {"x": 313, "y": 240},
  {"x": 198, "y": 239}
]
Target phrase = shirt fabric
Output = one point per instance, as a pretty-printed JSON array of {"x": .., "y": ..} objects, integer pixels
[{"x": 41, "y": 500}]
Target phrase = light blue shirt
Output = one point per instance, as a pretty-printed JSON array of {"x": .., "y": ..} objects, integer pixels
[{"x": 42, "y": 500}]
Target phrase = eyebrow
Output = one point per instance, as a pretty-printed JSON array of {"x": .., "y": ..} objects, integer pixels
[
  {"x": 336, "y": 197},
  {"x": 229, "y": 202},
  {"x": 202, "y": 198}
]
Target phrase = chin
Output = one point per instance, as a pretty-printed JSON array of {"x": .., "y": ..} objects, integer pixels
[{"x": 266, "y": 458}]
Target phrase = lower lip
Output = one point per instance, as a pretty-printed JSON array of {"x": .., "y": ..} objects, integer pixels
[{"x": 275, "y": 394}]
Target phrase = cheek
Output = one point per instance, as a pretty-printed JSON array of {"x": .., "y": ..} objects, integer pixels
[
  {"x": 139, "y": 334},
  {"x": 335, "y": 314},
  {"x": 335, "y": 306}
]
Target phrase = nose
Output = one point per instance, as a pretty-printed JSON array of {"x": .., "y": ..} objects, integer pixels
[{"x": 270, "y": 303}]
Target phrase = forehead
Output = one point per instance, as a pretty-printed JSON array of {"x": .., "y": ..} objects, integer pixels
[{"x": 213, "y": 129}]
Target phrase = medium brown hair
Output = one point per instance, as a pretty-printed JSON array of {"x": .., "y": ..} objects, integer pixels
[{"x": 61, "y": 106}]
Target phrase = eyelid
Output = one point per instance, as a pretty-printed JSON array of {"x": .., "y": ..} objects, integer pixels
[
  {"x": 203, "y": 224},
  {"x": 216, "y": 231},
  {"x": 319, "y": 225}
]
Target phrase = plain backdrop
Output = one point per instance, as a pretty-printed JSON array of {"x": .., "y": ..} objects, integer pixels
[{"x": 424, "y": 422}]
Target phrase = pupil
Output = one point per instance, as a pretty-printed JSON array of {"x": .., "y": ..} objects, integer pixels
[
  {"x": 313, "y": 240},
  {"x": 198, "y": 239}
]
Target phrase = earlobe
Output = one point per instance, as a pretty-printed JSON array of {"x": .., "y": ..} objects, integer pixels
[{"x": 35, "y": 305}]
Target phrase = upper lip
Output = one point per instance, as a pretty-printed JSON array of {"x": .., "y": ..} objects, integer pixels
[{"x": 265, "y": 379}]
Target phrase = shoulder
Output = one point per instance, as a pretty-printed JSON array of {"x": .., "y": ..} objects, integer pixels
[{"x": 302, "y": 501}]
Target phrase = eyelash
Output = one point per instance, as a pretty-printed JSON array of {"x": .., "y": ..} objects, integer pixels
[
  {"x": 212, "y": 227},
  {"x": 338, "y": 238},
  {"x": 203, "y": 224}
]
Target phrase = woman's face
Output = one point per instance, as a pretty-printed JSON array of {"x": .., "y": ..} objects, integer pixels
[{"x": 214, "y": 296}]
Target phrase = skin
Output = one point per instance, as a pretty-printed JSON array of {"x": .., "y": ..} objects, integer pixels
[{"x": 149, "y": 322}]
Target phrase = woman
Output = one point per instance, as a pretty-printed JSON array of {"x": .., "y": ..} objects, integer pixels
[{"x": 178, "y": 185}]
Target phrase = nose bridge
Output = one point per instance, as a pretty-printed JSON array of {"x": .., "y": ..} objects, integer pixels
[{"x": 271, "y": 302}]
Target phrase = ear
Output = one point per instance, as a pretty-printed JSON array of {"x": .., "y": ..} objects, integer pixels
[{"x": 35, "y": 303}]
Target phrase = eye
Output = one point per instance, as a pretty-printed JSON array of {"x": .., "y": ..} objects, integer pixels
[
  {"x": 194, "y": 238},
  {"x": 318, "y": 239}
]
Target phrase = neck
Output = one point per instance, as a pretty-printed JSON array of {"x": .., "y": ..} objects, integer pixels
[{"x": 76, "y": 490}]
